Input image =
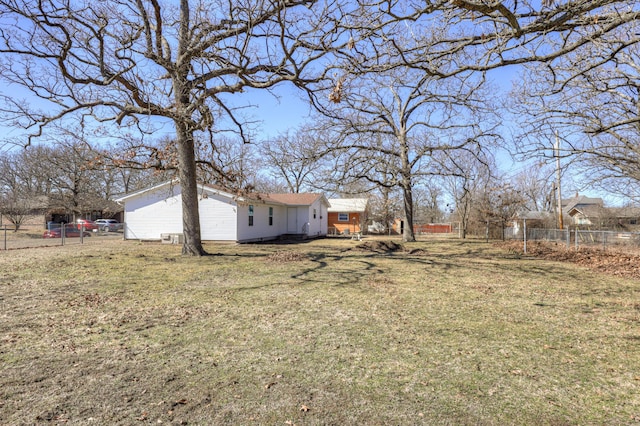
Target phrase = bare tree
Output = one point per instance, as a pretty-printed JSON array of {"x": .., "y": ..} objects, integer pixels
[
  {"x": 400, "y": 118},
  {"x": 453, "y": 37},
  {"x": 467, "y": 175},
  {"x": 295, "y": 157},
  {"x": 499, "y": 202},
  {"x": 147, "y": 63},
  {"x": 459, "y": 39},
  {"x": 73, "y": 186},
  {"x": 228, "y": 162},
  {"x": 428, "y": 197},
  {"x": 18, "y": 209},
  {"x": 25, "y": 183},
  {"x": 535, "y": 186},
  {"x": 26, "y": 171},
  {"x": 588, "y": 101}
]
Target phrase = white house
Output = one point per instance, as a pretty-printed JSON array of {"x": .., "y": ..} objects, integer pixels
[{"x": 156, "y": 212}]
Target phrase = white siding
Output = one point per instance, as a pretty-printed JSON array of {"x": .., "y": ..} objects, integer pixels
[
  {"x": 218, "y": 218},
  {"x": 318, "y": 224},
  {"x": 261, "y": 230},
  {"x": 157, "y": 211},
  {"x": 153, "y": 213}
]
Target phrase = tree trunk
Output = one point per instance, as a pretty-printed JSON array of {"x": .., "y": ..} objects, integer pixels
[
  {"x": 407, "y": 190},
  {"x": 189, "y": 184},
  {"x": 186, "y": 150},
  {"x": 407, "y": 196},
  {"x": 464, "y": 219}
]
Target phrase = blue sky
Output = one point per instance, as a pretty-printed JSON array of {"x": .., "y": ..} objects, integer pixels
[{"x": 283, "y": 109}]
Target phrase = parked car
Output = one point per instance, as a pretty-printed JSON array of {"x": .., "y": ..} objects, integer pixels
[
  {"x": 88, "y": 225},
  {"x": 70, "y": 231},
  {"x": 108, "y": 225}
]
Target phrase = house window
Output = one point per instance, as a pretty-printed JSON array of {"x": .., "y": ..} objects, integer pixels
[
  {"x": 250, "y": 215},
  {"x": 270, "y": 216},
  {"x": 314, "y": 213},
  {"x": 343, "y": 217}
]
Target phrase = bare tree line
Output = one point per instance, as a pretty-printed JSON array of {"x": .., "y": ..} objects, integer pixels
[{"x": 401, "y": 86}]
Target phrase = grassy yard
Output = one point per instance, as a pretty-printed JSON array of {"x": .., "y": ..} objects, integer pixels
[{"x": 320, "y": 333}]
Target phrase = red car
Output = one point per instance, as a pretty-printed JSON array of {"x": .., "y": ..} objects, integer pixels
[
  {"x": 89, "y": 225},
  {"x": 69, "y": 232}
]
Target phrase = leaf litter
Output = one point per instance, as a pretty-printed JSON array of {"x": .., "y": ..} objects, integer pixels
[{"x": 613, "y": 261}]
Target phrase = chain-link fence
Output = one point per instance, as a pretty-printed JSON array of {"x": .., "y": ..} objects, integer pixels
[
  {"x": 576, "y": 238},
  {"x": 54, "y": 235}
]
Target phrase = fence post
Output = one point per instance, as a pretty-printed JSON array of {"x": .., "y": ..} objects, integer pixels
[
  {"x": 524, "y": 231},
  {"x": 576, "y": 243},
  {"x": 487, "y": 231},
  {"x": 568, "y": 231},
  {"x": 604, "y": 240},
  {"x": 5, "y": 237}
]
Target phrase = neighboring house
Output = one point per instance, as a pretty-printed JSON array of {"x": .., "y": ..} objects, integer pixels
[
  {"x": 154, "y": 213},
  {"x": 63, "y": 210},
  {"x": 346, "y": 215},
  {"x": 583, "y": 210},
  {"x": 44, "y": 210},
  {"x": 15, "y": 212},
  {"x": 58, "y": 215},
  {"x": 615, "y": 218},
  {"x": 626, "y": 217},
  {"x": 533, "y": 219},
  {"x": 591, "y": 212}
]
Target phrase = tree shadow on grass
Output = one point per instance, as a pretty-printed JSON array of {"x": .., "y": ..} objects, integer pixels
[
  {"x": 350, "y": 266},
  {"x": 344, "y": 273}
]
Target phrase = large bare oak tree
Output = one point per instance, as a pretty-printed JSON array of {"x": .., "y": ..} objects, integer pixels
[
  {"x": 442, "y": 47},
  {"x": 590, "y": 102},
  {"x": 145, "y": 63},
  {"x": 393, "y": 122}
]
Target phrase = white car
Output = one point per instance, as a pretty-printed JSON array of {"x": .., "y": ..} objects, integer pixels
[{"x": 108, "y": 225}]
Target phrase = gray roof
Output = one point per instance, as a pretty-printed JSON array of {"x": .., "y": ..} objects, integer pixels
[
  {"x": 580, "y": 201},
  {"x": 531, "y": 215}
]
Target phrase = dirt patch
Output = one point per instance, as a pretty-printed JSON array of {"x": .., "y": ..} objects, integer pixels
[
  {"x": 417, "y": 252},
  {"x": 389, "y": 247},
  {"x": 611, "y": 261},
  {"x": 380, "y": 246}
]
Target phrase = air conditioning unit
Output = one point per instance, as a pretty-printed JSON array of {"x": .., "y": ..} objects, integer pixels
[{"x": 172, "y": 238}]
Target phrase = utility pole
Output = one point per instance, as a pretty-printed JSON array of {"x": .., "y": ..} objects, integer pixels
[{"x": 556, "y": 151}]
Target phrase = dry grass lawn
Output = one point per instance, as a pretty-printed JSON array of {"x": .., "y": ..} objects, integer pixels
[{"x": 319, "y": 333}]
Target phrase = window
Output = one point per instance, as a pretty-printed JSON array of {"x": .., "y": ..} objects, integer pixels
[
  {"x": 250, "y": 215},
  {"x": 343, "y": 217},
  {"x": 314, "y": 213},
  {"x": 270, "y": 216}
]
